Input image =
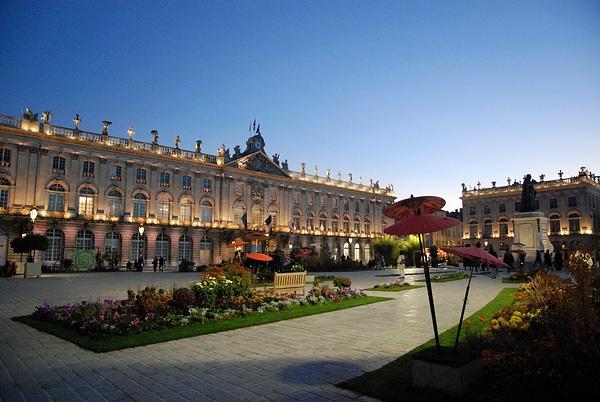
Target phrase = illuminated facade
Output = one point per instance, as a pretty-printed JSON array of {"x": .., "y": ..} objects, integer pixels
[
  {"x": 572, "y": 206},
  {"x": 94, "y": 191}
]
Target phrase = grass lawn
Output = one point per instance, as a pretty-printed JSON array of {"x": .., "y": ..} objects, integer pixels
[
  {"x": 392, "y": 382},
  {"x": 110, "y": 343},
  {"x": 447, "y": 279},
  {"x": 396, "y": 288}
]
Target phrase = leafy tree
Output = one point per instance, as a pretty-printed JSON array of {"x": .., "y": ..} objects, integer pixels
[
  {"x": 29, "y": 243},
  {"x": 388, "y": 248}
]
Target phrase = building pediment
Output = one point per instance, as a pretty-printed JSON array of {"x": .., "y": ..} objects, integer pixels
[{"x": 258, "y": 162}]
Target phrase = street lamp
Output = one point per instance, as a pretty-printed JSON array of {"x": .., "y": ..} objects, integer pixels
[
  {"x": 141, "y": 241},
  {"x": 485, "y": 244},
  {"x": 33, "y": 214}
]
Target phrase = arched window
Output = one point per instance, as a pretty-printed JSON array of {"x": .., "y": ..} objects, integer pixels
[
  {"x": 310, "y": 220},
  {"x": 346, "y": 250},
  {"x": 84, "y": 240},
  {"x": 296, "y": 216},
  {"x": 487, "y": 228},
  {"x": 205, "y": 250},
  {"x": 356, "y": 252},
  {"x": 554, "y": 224},
  {"x": 257, "y": 213},
  {"x": 138, "y": 246},
  {"x": 239, "y": 209},
  {"x": 139, "y": 205},
  {"x": 185, "y": 248},
  {"x": 163, "y": 244},
  {"x": 273, "y": 212},
  {"x": 4, "y": 192},
  {"x": 55, "y": 245},
  {"x": 356, "y": 225},
  {"x": 503, "y": 227},
  {"x": 367, "y": 228},
  {"x": 367, "y": 252},
  {"x": 334, "y": 223},
  {"x": 86, "y": 201},
  {"x": 346, "y": 224},
  {"x": 56, "y": 198},
  {"x": 185, "y": 210},
  {"x": 322, "y": 222},
  {"x": 112, "y": 243},
  {"x": 115, "y": 203},
  {"x": 574, "y": 223},
  {"x": 473, "y": 229},
  {"x": 163, "y": 211},
  {"x": 206, "y": 214}
]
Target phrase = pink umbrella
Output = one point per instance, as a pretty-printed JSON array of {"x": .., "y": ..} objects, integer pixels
[
  {"x": 420, "y": 224},
  {"x": 427, "y": 204}
]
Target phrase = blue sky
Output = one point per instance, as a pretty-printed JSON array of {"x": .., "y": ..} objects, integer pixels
[{"x": 424, "y": 95}]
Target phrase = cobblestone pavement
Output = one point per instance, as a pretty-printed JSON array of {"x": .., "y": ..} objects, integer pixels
[{"x": 298, "y": 359}]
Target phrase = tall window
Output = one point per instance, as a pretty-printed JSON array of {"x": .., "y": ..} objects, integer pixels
[
  {"x": 115, "y": 172},
  {"x": 86, "y": 201},
  {"x": 56, "y": 198},
  {"x": 296, "y": 197},
  {"x": 310, "y": 220},
  {"x": 502, "y": 208},
  {"x": 346, "y": 205},
  {"x": 346, "y": 224},
  {"x": 185, "y": 211},
  {"x": 346, "y": 250},
  {"x": 140, "y": 176},
  {"x": 138, "y": 246},
  {"x": 84, "y": 240},
  {"x": 58, "y": 164},
  {"x": 473, "y": 229},
  {"x": 503, "y": 227},
  {"x": 185, "y": 248},
  {"x": 555, "y": 224},
  {"x": 206, "y": 213},
  {"x": 334, "y": 202},
  {"x": 574, "y": 223},
  {"x": 239, "y": 209},
  {"x": 257, "y": 215},
  {"x": 88, "y": 169},
  {"x": 163, "y": 212},
  {"x": 323, "y": 201},
  {"x": 296, "y": 219},
  {"x": 572, "y": 202},
  {"x": 207, "y": 185},
  {"x": 162, "y": 246},
  {"x": 322, "y": 222},
  {"x": 4, "y": 157},
  {"x": 334, "y": 223},
  {"x": 368, "y": 208},
  {"x": 356, "y": 225},
  {"x": 517, "y": 205},
  {"x": 356, "y": 252},
  {"x": 4, "y": 198},
  {"x": 553, "y": 203},
  {"x": 55, "y": 245},
  {"x": 115, "y": 203},
  {"x": 487, "y": 228},
  {"x": 139, "y": 205},
  {"x": 273, "y": 212},
  {"x": 486, "y": 209},
  {"x": 205, "y": 244},
  {"x": 112, "y": 243},
  {"x": 186, "y": 182},
  {"x": 367, "y": 252},
  {"x": 472, "y": 211},
  {"x": 367, "y": 228},
  {"x": 165, "y": 179},
  {"x": 357, "y": 206}
]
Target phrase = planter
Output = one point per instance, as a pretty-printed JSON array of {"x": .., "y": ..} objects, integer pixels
[
  {"x": 310, "y": 278},
  {"x": 33, "y": 269},
  {"x": 451, "y": 373},
  {"x": 20, "y": 268}
]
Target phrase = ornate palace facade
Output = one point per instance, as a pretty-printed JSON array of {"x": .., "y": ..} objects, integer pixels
[
  {"x": 95, "y": 191},
  {"x": 571, "y": 204}
]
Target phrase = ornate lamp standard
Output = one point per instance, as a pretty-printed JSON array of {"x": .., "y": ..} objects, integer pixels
[
  {"x": 141, "y": 242},
  {"x": 33, "y": 214}
]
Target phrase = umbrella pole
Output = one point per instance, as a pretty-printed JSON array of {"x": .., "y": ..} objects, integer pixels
[
  {"x": 430, "y": 295},
  {"x": 462, "y": 313}
]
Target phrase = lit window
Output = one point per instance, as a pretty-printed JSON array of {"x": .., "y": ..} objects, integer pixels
[
  {"x": 185, "y": 211},
  {"x": 86, "y": 201},
  {"x": 346, "y": 224},
  {"x": 322, "y": 222},
  {"x": 115, "y": 203},
  {"x": 207, "y": 185},
  {"x": 356, "y": 252},
  {"x": 4, "y": 157},
  {"x": 310, "y": 221},
  {"x": 56, "y": 198},
  {"x": 574, "y": 223},
  {"x": 473, "y": 229},
  {"x": 163, "y": 212},
  {"x": 503, "y": 227},
  {"x": 206, "y": 213},
  {"x": 139, "y": 205},
  {"x": 334, "y": 223},
  {"x": 554, "y": 224}
]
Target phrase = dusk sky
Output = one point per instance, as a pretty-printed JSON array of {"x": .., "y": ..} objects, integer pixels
[{"x": 424, "y": 95}]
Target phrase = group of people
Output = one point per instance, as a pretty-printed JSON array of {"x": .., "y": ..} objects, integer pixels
[
  {"x": 547, "y": 261},
  {"x": 8, "y": 269},
  {"x": 160, "y": 262}
]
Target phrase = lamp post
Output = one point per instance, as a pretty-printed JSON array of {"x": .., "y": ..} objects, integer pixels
[
  {"x": 141, "y": 242},
  {"x": 33, "y": 214}
]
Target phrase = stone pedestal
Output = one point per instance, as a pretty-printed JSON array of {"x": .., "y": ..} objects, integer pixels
[
  {"x": 531, "y": 229},
  {"x": 456, "y": 379}
]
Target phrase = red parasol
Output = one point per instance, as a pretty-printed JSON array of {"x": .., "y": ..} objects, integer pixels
[
  {"x": 237, "y": 243},
  {"x": 420, "y": 224},
  {"x": 427, "y": 204},
  {"x": 256, "y": 236},
  {"x": 475, "y": 252},
  {"x": 259, "y": 257}
]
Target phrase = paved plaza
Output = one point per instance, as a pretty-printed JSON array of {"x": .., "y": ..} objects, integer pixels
[{"x": 298, "y": 359}]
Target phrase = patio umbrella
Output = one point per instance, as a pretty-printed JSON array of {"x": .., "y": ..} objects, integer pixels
[
  {"x": 259, "y": 257},
  {"x": 237, "y": 243},
  {"x": 427, "y": 204},
  {"x": 420, "y": 224},
  {"x": 481, "y": 255},
  {"x": 256, "y": 236}
]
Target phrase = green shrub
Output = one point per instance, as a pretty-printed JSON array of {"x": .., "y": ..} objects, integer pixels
[{"x": 342, "y": 282}]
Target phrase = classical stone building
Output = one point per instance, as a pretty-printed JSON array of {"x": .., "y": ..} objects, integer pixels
[
  {"x": 571, "y": 204},
  {"x": 95, "y": 191}
]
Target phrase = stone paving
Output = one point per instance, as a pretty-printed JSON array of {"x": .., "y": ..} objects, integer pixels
[{"x": 298, "y": 359}]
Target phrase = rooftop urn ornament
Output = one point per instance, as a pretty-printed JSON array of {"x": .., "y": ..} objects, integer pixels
[
  {"x": 154, "y": 136},
  {"x": 542, "y": 176},
  {"x": 370, "y": 182},
  {"x": 464, "y": 187},
  {"x": 350, "y": 177},
  {"x": 478, "y": 185},
  {"x": 46, "y": 117},
  {"x": 177, "y": 142},
  {"x": 339, "y": 176},
  {"x": 508, "y": 180},
  {"x": 105, "y": 125},
  {"x": 198, "y": 146},
  {"x": 302, "y": 169},
  {"x": 130, "y": 133},
  {"x": 328, "y": 174},
  {"x": 560, "y": 174},
  {"x": 493, "y": 184},
  {"x": 76, "y": 121},
  {"x": 316, "y": 171}
]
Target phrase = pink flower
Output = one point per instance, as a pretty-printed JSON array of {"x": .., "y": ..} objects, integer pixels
[{"x": 116, "y": 317}]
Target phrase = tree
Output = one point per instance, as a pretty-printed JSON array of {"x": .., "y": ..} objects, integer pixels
[
  {"x": 29, "y": 243},
  {"x": 388, "y": 248},
  {"x": 434, "y": 257}
]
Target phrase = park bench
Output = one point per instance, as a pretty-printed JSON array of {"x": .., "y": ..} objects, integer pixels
[{"x": 289, "y": 282}]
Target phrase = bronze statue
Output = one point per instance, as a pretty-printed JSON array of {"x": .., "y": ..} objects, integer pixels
[{"x": 528, "y": 194}]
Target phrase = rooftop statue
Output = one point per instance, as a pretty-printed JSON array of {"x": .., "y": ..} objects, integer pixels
[{"x": 528, "y": 194}]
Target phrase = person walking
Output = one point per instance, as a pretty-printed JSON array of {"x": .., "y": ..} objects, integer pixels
[
  {"x": 508, "y": 260},
  {"x": 538, "y": 259},
  {"x": 548, "y": 261},
  {"x": 154, "y": 263},
  {"x": 493, "y": 268},
  {"x": 161, "y": 264}
]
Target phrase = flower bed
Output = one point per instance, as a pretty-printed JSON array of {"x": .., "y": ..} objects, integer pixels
[
  {"x": 454, "y": 276},
  {"x": 395, "y": 286}
]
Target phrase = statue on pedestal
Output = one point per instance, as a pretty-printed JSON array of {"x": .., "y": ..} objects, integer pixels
[
  {"x": 177, "y": 142},
  {"x": 528, "y": 194}
]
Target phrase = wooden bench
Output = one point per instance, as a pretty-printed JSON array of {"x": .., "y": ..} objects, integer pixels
[{"x": 289, "y": 282}]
